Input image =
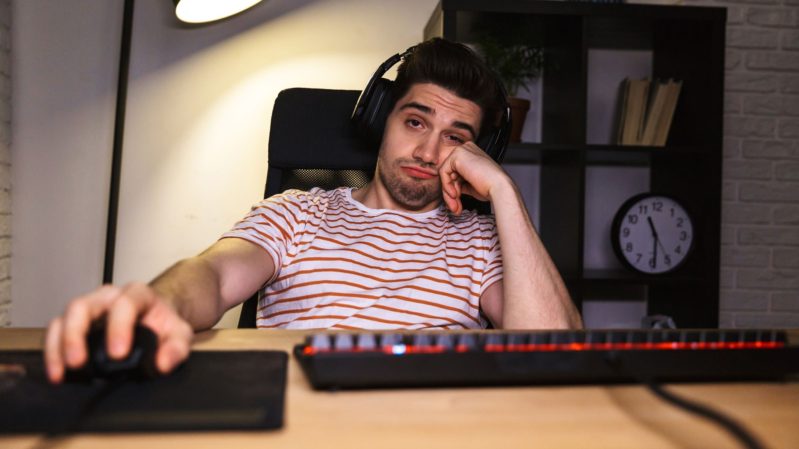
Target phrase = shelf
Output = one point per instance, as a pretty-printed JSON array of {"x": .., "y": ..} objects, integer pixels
[
  {"x": 523, "y": 153},
  {"x": 577, "y": 97},
  {"x": 616, "y": 155},
  {"x": 628, "y": 277}
]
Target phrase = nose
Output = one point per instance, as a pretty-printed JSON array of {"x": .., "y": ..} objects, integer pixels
[{"x": 427, "y": 149}]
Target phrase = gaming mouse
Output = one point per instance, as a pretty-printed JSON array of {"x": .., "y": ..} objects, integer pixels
[{"x": 138, "y": 365}]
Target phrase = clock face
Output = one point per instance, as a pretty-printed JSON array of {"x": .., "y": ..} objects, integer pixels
[{"x": 652, "y": 233}]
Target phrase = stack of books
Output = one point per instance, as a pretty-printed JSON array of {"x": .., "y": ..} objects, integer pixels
[{"x": 647, "y": 110}]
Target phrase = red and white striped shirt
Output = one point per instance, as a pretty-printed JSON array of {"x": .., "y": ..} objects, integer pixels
[{"x": 340, "y": 264}]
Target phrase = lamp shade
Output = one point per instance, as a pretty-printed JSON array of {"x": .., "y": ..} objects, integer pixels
[{"x": 199, "y": 11}]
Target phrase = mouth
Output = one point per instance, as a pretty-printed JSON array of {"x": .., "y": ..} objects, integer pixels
[{"x": 418, "y": 172}]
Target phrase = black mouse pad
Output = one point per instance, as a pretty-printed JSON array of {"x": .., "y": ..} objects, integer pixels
[{"x": 213, "y": 390}]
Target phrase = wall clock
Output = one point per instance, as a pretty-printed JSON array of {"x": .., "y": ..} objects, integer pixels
[{"x": 652, "y": 233}]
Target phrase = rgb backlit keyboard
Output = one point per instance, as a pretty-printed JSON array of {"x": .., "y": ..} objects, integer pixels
[{"x": 426, "y": 359}]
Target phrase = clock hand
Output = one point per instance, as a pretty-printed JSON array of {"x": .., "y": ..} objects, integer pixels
[
  {"x": 661, "y": 245},
  {"x": 655, "y": 253},
  {"x": 652, "y": 227},
  {"x": 654, "y": 242},
  {"x": 655, "y": 233}
]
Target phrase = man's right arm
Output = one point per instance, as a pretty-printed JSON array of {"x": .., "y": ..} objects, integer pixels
[
  {"x": 203, "y": 287},
  {"x": 191, "y": 295}
]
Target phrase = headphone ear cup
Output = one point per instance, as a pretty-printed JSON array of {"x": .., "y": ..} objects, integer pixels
[
  {"x": 486, "y": 143},
  {"x": 376, "y": 110},
  {"x": 495, "y": 142}
]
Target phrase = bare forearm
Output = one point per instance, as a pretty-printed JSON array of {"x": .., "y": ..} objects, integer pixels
[
  {"x": 534, "y": 293},
  {"x": 192, "y": 287}
]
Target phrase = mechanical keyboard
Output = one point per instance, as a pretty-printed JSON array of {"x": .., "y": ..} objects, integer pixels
[{"x": 333, "y": 360}]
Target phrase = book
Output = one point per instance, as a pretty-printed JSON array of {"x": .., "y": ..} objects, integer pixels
[
  {"x": 664, "y": 123},
  {"x": 633, "y": 109},
  {"x": 654, "y": 110},
  {"x": 647, "y": 110}
]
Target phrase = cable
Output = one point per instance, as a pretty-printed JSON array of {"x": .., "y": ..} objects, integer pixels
[
  {"x": 730, "y": 425},
  {"x": 727, "y": 423}
]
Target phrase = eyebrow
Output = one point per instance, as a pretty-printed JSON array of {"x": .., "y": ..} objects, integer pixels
[{"x": 428, "y": 110}]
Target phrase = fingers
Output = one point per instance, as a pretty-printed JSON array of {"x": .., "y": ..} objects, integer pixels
[
  {"x": 53, "y": 361},
  {"x": 467, "y": 170},
  {"x": 451, "y": 189},
  {"x": 174, "y": 336},
  {"x": 65, "y": 340},
  {"x": 174, "y": 348},
  {"x": 77, "y": 320},
  {"x": 133, "y": 301}
]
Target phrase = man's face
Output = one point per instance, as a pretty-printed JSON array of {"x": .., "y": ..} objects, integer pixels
[{"x": 426, "y": 125}]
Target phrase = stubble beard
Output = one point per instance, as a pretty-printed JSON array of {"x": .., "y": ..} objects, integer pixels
[{"x": 411, "y": 194}]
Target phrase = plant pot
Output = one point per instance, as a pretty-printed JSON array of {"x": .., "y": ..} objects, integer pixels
[{"x": 518, "y": 113}]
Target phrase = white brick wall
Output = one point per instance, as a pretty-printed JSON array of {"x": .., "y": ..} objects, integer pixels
[
  {"x": 5, "y": 162},
  {"x": 760, "y": 199}
]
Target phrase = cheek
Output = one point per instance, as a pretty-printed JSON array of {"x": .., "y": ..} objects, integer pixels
[
  {"x": 390, "y": 133},
  {"x": 395, "y": 142}
]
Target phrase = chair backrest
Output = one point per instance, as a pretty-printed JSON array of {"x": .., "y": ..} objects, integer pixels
[{"x": 312, "y": 144}]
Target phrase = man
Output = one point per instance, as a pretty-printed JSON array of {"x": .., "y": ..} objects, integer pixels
[{"x": 397, "y": 253}]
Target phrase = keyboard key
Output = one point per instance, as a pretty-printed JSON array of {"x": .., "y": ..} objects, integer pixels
[
  {"x": 494, "y": 342},
  {"x": 692, "y": 337},
  {"x": 517, "y": 342},
  {"x": 539, "y": 339},
  {"x": 367, "y": 341},
  {"x": 390, "y": 340},
  {"x": 422, "y": 340},
  {"x": 320, "y": 342},
  {"x": 445, "y": 341},
  {"x": 595, "y": 337},
  {"x": 466, "y": 343},
  {"x": 617, "y": 337},
  {"x": 343, "y": 342},
  {"x": 638, "y": 337}
]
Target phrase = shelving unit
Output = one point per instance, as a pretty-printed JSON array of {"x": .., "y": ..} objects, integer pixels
[{"x": 685, "y": 43}]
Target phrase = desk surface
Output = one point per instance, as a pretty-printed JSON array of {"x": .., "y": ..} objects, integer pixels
[{"x": 548, "y": 417}]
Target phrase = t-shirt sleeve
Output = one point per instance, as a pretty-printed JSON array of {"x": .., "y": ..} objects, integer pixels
[
  {"x": 493, "y": 270},
  {"x": 273, "y": 224}
]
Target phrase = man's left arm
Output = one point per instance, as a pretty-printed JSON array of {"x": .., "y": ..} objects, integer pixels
[{"x": 532, "y": 294}]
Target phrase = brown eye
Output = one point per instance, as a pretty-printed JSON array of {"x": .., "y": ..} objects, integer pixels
[
  {"x": 413, "y": 123},
  {"x": 456, "y": 138}
]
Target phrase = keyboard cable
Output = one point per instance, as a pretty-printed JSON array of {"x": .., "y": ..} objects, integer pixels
[{"x": 727, "y": 423}]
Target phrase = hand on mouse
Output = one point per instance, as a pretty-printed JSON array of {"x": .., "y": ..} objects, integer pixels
[{"x": 65, "y": 342}]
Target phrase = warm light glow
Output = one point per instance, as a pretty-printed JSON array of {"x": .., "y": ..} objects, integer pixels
[{"x": 199, "y": 11}]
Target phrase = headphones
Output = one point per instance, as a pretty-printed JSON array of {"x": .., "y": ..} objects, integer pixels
[{"x": 377, "y": 100}]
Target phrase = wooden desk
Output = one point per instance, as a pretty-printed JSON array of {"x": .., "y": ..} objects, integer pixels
[{"x": 531, "y": 417}]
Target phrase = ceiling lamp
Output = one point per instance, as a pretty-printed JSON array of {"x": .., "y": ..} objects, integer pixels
[{"x": 199, "y": 11}]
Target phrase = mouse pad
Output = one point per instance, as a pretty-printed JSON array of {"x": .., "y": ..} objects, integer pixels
[{"x": 213, "y": 390}]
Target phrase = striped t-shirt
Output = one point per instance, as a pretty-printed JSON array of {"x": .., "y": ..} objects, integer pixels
[{"x": 340, "y": 264}]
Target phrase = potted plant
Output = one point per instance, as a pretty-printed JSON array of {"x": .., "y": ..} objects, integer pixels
[{"x": 516, "y": 61}]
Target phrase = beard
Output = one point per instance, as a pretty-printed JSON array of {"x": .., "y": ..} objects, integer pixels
[{"x": 410, "y": 193}]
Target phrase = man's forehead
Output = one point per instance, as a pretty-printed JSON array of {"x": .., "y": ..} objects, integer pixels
[{"x": 439, "y": 101}]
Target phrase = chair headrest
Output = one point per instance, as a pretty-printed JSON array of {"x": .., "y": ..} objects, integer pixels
[{"x": 311, "y": 129}]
